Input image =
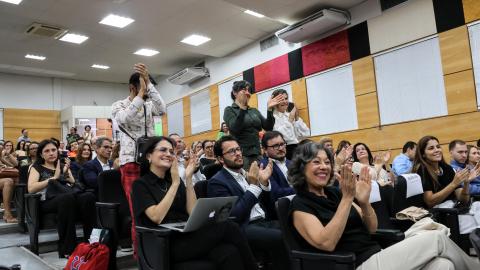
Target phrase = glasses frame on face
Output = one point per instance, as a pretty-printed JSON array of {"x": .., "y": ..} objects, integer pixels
[
  {"x": 278, "y": 145},
  {"x": 233, "y": 151},
  {"x": 165, "y": 150}
]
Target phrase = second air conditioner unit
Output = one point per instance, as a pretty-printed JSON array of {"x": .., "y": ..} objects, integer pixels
[
  {"x": 188, "y": 75},
  {"x": 314, "y": 25}
]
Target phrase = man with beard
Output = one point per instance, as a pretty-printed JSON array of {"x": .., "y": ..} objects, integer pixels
[
  {"x": 253, "y": 209},
  {"x": 275, "y": 149}
]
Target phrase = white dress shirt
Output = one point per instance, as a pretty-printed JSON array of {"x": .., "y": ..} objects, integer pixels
[
  {"x": 257, "y": 211},
  {"x": 292, "y": 132},
  {"x": 105, "y": 166}
]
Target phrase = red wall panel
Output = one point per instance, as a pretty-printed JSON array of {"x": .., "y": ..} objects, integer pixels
[
  {"x": 325, "y": 53},
  {"x": 271, "y": 73}
]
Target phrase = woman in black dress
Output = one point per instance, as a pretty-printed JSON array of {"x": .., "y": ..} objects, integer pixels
[{"x": 160, "y": 196}]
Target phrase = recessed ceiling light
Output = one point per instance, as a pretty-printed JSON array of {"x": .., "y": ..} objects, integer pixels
[
  {"x": 116, "y": 21},
  {"x": 253, "y": 13},
  {"x": 195, "y": 40},
  {"x": 16, "y": 2},
  {"x": 35, "y": 57},
  {"x": 74, "y": 38},
  {"x": 146, "y": 52},
  {"x": 100, "y": 66}
]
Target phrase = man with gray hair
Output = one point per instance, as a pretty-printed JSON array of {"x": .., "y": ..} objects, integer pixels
[{"x": 91, "y": 169}]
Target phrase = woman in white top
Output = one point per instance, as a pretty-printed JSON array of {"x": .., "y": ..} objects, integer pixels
[
  {"x": 88, "y": 134},
  {"x": 289, "y": 124},
  {"x": 362, "y": 156}
]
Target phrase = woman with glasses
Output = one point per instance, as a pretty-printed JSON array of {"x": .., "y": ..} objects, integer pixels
[
  {"x": 31, "y": 150},
  {"x": 160, "y": 196},
  {"x": 288, "y": 123},
  {"x": 245, "y": 122},
  {"x": 209, "y": 156}
]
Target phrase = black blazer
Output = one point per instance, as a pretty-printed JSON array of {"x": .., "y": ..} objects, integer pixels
[
  {"x": 91, "y": 170},
  {"x": 223, "y": 184}
]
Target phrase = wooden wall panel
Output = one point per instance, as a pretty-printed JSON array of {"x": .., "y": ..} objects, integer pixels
[
  {"x": 211, "y": 135},
  {"x": 104, "y": 128},
  {"x": 253, "y": 102},
  {"x": 299, "y": 93},
  {"x": 165, "y": 124},
  {"x": 460, "y": 92},
  {"x": 186, "y": 106},
  {"x": 215, "y": 117},
  {"x": 367, "y": 111},
  {"x": 303, "y": 113},
  {"x": 445, "y": 128},
  {"x": 455, "y": 50},
  {"x": 213, "y": 95},
  {"x": 471, "y": 10},
  {"x": 23, "y": 118},
  {"x": 364, "y": 76},
  {"x": 36, "y": 134},
  {"x": 187, "y": 126},
  {"x": 41, "y": 124}
]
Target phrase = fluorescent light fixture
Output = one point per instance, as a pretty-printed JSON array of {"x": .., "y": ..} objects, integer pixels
[
  {"x": 146, "y": 52},
  {"x": 35, "y": 57},
  {"x": 253, "y": 13},
  {"x": 195, "y": 40},
  {"x": 74, "y": 38},
  {"x": 116, "y": 21},
  {"x": 16, "y": 2},
  {"x": 100, "y": 66}
]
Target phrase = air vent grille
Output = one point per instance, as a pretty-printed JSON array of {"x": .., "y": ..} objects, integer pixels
[
  {"x": 43, "y": 30},
  {"x": 268, "y": 43}
]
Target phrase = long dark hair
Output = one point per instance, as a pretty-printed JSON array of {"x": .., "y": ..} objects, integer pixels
[
  {"x": 354, "y": 153},
  {"x": 150, "y": 146},
  {"x": 19, "y": 146},
  {"x": 421, "y": 164},
  {"x": 303, "y": 155},
  {"x": 41, "y": 146},
  {"x": 80, "y": 160}
]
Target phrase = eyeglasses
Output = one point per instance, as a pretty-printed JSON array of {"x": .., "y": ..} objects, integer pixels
[
  {"x": 107, "y": 146},
  {"x": 209, "y": 147},
  {"x": 277, "y": 146},
  {"x": 165, "y": 150},
  {"x": 233, "y": 151}
]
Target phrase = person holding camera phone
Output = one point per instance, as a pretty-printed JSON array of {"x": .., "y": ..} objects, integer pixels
[
  {"x": 134, "y": 115},
  {"x": 288, "y": 122},
  {"x": 49, "y": 170}
]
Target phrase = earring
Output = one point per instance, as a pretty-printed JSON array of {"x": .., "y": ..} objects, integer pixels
[{"x": 150, "y": 161}]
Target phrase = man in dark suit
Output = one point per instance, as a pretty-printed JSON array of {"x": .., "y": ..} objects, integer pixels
[
  {"x": 101, "y": 163},
  {"x": 253, "y": 207},
  {"x": 275, "y": 149}
]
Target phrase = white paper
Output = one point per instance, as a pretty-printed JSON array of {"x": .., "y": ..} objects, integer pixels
[
  {"x": 375, "y": 193},
  {"x": 414, "y": 184}
]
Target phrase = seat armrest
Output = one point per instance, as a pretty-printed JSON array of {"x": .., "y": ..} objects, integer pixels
[
  {"x": 153, "y": 248},
  {"x": 338, "y": 257},
  {"x": 107, "y": 205},
  {"x": 388, "y": 235},
  {"x": 32, "y": 207}
]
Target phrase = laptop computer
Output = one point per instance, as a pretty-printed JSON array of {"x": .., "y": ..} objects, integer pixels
[{"x": 205, "y": 209}]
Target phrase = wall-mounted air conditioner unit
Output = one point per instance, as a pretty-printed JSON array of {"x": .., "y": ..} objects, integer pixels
[
  {"x": 188, "y": 75},
  {"x": 314, "y": 25},
  {"x": 45, "y": 30}
]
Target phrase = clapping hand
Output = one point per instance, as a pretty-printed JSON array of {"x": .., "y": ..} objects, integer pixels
[
  {"x": 460, "y": 177},
  {"x": 364, "y": 186},
  {"x": 474, "y": 173},
  {"x": 265, "y": 173},
  {"x": 252, "y": 175},
  {"x": 143, "y": 71},
  {"x": 272, "y": 102},
  {"x": 192, "y": 166},
  {"x": 174, "y": 172},
  {"x": 347, "y": 182}
]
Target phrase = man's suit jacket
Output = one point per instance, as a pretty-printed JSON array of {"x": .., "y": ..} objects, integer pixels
[
  {"x": 91, "y": 170},
  {"x": 278, "y": 182},
  {"x": 223, "y": 184}
]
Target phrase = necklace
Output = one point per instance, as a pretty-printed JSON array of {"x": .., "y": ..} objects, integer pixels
[{"x": 165, "y": 188}]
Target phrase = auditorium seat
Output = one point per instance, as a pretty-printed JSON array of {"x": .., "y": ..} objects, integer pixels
[
  {"x": 112, "y": 211},
  {"x": 305, "y": 260},
  {"x": 153, "y": 252},
  {"x": 201, "y": 189}
]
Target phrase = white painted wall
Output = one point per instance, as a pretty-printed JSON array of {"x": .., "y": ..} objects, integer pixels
[{"x": 30, "y": 92}]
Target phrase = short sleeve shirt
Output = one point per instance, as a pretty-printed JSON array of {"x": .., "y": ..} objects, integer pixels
[
  {"x": 443, "y": 180},
  {"x": 355, "y": 237},
  {"x": 150, "y": 190}
]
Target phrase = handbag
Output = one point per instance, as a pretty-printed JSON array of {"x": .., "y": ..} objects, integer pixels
[
  {"x": 8, "y": 173},
  {"x": 140, "y": 142},
  {"x": 89, "y": 257},
  {"x": 60, "y": 186}
]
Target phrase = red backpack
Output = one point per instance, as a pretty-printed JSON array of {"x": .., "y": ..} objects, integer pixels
[{"x": 88, "y": 257}]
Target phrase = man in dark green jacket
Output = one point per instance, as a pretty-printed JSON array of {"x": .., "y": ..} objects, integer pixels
[{"x": 245, "y": 122}]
